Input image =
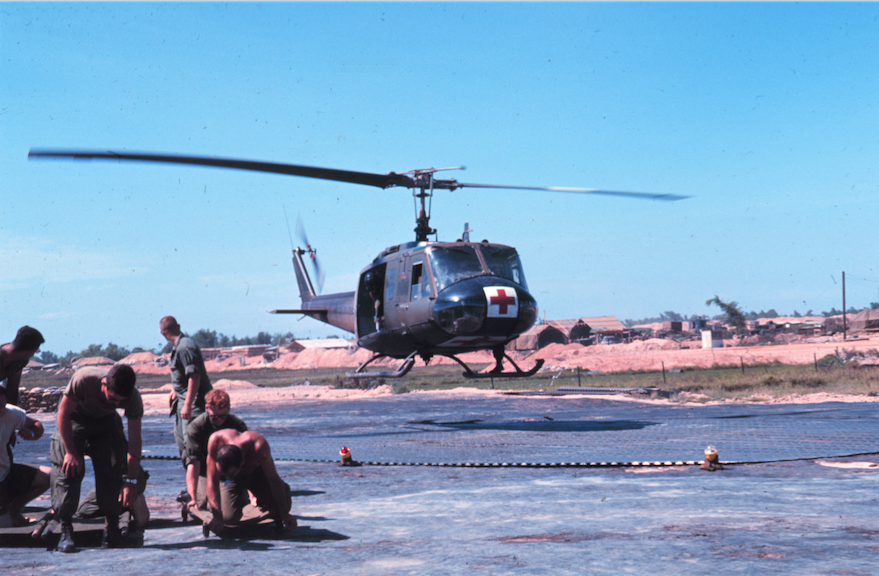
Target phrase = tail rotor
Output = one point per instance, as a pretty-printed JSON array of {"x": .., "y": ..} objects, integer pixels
[{"x": 312, "y": 254}]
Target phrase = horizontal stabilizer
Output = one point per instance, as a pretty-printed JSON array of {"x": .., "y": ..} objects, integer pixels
[{"x": 316, "y": 314}]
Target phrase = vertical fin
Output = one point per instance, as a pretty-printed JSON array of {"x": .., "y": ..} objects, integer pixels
[{"x": 306, "y": 289}]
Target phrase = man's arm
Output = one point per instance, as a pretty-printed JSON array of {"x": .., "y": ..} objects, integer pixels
[
  {"x": 129, "y": 491},
  {"x": 12, "y": 382},
  {"x": 32, "y": 429},
  {"x": 197, "y": 436},
  {"x": 213, "y": 475},
  {"x": 192, "y": 473},
  {"x": 279, "y": 490},
  {"x": 191, "y": 395},
  {"x": 73, "y": 463}
]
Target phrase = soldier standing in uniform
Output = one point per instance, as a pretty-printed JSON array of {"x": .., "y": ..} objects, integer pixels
[{"x": 189, "y": 379}]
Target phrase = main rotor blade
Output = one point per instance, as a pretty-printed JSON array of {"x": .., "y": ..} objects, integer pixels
[
  {"x": 350, "y": 176},
  {"x": 641, "y": 195},
  {"x": 367, "y": 178}
]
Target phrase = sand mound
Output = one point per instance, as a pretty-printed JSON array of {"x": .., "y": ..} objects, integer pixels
[
  {"x": 228, "y": 385},
  {"x": 652, "y": 344},
  {"x": 234, "y": 363},
  {"x": 312, "y": 358}
]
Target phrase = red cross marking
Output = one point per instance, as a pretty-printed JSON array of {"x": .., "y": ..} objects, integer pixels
[{"x": 502, "y": 300}]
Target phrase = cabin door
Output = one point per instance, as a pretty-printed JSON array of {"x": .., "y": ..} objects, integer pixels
[{"x": 392, "y": 297}]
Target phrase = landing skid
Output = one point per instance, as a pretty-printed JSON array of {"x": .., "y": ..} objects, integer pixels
[
  {"x": 498, "y": 370},
  {"x": 404, "y": 368},
  {"x": 409, "y": 362}
]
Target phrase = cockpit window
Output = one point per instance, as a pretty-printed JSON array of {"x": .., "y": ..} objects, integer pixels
[
  {"x": 504, "y": 262},
  {"x": 452, "y": 265}
]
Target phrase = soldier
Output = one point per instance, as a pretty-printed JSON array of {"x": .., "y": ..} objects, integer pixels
[
  {"x": 189, "y": 379},
  {"x": 15, "y": 355},
  {"x": 244, "y": 462},
  {"x": 138, "y": 511},
  {"x": 19, "y": 483},
  {"x": 87, "y": 425},
  {"x": 198, "y": 433}
]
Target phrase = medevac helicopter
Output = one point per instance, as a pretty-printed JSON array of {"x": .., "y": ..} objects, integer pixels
[{"x": 423, "y": 298}]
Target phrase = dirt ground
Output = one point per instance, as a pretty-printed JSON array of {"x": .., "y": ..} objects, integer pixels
[
  {"x": 639, "y": 355},
  {"x": 653, "y": 354}
]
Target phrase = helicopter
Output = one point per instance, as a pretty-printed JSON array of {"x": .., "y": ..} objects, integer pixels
[{"x": 420, "y": 298}]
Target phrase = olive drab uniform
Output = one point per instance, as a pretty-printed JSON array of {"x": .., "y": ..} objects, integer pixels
[
  {"x": 97, "y": 435},
  {"x": 186, "y": 360}
]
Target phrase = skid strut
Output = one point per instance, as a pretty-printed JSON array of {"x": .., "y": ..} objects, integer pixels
[
  {"x": 498, "y": 371},
  {"x": 403, "y": 369}
]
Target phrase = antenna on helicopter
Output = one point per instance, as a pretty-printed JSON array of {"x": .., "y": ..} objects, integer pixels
[{"x": 287, "y": 220}]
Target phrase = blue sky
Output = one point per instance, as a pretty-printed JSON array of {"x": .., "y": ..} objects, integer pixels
[{"x": 765, "y": 114}]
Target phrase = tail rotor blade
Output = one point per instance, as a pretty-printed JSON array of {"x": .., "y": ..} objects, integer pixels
[
  {"x": 318, "y": 272},
  {"x": 312, "y": 254}
]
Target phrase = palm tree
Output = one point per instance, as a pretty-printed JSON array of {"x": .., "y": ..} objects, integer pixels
[{"x": 734, "y": 316}]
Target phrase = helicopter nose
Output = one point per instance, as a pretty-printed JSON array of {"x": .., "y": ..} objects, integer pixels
[{"x": 486, "y": 306}]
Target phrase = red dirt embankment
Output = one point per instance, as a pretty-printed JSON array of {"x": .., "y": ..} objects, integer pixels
[
  {"x": 652, "y": 354},
  {"x": 640, "y": 355}
]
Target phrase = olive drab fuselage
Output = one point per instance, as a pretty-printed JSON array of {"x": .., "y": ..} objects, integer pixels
[{"x": 430, "y": 298}]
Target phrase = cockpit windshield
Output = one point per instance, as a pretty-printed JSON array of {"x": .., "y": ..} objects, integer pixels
[
  {"x": 452, "y": 265},
  {"x": 504, "y": 262}
]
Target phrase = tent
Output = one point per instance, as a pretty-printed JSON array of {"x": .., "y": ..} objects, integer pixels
[
  {"x": 866, "y": 319},
  {"x": 596, "y": 323},
  {"x": 538, "y": 337},
  {"x": 136, "y": 358},
  {"x": 92, "y": 361}
]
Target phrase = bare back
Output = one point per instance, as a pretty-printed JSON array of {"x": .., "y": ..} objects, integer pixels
[{"x": 252, "y": 444}]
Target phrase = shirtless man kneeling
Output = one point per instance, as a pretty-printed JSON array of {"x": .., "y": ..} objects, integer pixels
[{"x": 245, "y": 461}]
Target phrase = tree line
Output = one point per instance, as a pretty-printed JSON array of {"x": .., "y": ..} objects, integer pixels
[
  {"x": 204, "y": 338},
  {"x": 671, "y": 316}
]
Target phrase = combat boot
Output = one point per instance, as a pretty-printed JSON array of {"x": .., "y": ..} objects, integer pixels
[
  {"x": 66, "y": 544},
  {"x": 112, "y": 535}
]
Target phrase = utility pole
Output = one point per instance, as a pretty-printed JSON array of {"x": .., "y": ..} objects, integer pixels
[{"x": 843, "y": 307}]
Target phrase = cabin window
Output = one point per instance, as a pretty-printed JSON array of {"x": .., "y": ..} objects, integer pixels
[
  {"x": 452, "y": 265},
  {"x": 504, "y": 262},
  {"x": 391, "y": 285},
  {"x": 415, "y": 292}
]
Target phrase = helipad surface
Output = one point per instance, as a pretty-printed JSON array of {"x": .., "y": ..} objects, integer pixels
[{"x": 775, "y": 517}]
